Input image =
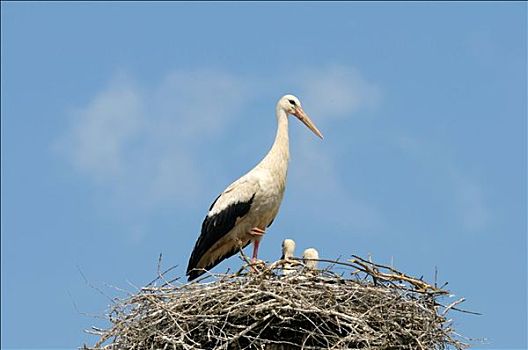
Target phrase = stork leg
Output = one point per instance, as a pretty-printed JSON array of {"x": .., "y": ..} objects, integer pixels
[
  {"x": 257, "y": 233},
  {"x": 255, "y": 251}
]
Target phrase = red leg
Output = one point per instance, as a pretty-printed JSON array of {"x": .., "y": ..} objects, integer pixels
[{"x": 255, "y": 250}]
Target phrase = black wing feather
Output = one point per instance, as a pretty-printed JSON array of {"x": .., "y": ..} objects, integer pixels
[{"x": 213, "y": 229}]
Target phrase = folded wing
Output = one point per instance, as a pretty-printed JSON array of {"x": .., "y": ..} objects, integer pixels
[{"x": 233, "y": 204}]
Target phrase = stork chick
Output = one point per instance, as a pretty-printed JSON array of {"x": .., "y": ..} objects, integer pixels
[
  {"x": 288, "y": 249},
  {"x": 310, "y": 257}
]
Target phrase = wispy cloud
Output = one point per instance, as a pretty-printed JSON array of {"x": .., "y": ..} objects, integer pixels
[
  {"x": 470, "y": 201},
  {"x": 143, "y": 145},
  {"x": 337, "y": 91},
  {"x": 317, "y": 177},
  {"x": 100, "y": 133},
  {"x": 331, "y": 93}
]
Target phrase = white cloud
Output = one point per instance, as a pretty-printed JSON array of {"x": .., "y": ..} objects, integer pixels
[
  {"x": 140, "y": 145},
  {"x": 470, "y": 201},
  {"x": 315, "y": 173},
  {"x": 330, "y": 93},
  {"x": 96, "y": 144},
  {"x": 198, "y": 103},
  {"x": 144, "y": 147},
  {"x": 336, "y": 92}
]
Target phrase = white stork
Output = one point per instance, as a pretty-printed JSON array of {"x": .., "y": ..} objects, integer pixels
[
  {"x": 241, "y": 214},
  {"x": 288, "y": 250},
  {"x": 310, "y": 257}
]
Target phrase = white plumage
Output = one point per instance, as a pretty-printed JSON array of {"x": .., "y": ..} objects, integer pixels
[
  {"x": 288, "y": 248},
  {"x": 310, "y": 257},
  {"x": 288, "y": 251},
  {"x": 242, "y": 212}
]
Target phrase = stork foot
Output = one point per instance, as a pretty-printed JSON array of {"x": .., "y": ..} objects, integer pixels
[
  {"x": 256, "y": 261},
  {"x": 257, "y": 232},
  {"x": 257, "y": 264}
]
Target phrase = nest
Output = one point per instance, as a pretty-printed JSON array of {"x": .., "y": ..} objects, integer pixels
[{"x": 364, "y": 306}]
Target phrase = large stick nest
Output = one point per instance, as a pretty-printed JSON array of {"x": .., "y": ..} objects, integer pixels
[{"x": 364, "y": 306}]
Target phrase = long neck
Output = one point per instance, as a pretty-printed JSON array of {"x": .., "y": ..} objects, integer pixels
[{"x": 279, "y": 153}]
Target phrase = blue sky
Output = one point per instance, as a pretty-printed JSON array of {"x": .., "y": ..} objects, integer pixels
[{"x": 121, "y": 122}]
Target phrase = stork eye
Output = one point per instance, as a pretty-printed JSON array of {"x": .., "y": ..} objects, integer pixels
[{"x": 292, "y": 102}]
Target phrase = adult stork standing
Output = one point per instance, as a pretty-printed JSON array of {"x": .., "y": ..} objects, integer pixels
[{"x": 241, "y": 214}]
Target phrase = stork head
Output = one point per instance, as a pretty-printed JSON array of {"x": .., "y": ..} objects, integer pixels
[
  {"x": 288, "y": 247},
  {"x": 308, "y": 255},
  {"x": 291, "y": 105}
]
